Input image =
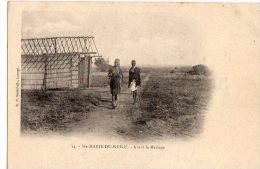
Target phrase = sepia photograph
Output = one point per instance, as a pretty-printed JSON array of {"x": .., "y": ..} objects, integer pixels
[
  {"x": 127, "y": 74},
  {"x": 133, "y": 85}
]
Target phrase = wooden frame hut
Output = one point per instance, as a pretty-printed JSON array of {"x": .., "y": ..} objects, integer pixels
[{"x": 57, "y": 62}]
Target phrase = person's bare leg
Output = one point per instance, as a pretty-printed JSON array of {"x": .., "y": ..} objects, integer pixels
[
  {"x": 115, "y": 100},
  {"x": 135, "y": 96},
  {"x": 112, "y": 100}
]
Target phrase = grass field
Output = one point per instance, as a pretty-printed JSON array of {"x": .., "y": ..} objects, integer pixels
[
  {"x": 178, "y": 101},
  {"x": 170, "y": 104},
  {"x": 54, "y": 110}
]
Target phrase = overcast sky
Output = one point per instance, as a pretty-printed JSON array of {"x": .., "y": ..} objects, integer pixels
[{"x": 159, "y": 36}]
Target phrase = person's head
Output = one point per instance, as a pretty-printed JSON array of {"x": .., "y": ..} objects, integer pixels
[
  {"x": 117, "y": 62},
  {"x": 133, "y": 63}
]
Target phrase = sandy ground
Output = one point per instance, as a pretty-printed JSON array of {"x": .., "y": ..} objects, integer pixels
[
  {"x": 127, "y": 121},
  {"x": 89, "y": 112},
  {"x": 109, "y": 122}
]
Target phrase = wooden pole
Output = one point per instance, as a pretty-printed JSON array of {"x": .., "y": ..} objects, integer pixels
[
  {"x": 71, "y": 72},
  {"x": 55, "y": 46},
  {"x": 84, "y": 70},
  {"x": 45, "y": 73},
  {"x": 54, "y": 80},
  {"x": 89, "y": 71}
]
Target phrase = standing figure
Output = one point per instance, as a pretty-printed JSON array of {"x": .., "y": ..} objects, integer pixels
[
  {"x": 134, "y": 79},
  {"x": 121, "y": 74},
  {"x": 115, "y": 76}
]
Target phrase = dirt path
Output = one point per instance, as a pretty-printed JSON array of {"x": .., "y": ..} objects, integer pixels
[{"x": 113, "y": 122}]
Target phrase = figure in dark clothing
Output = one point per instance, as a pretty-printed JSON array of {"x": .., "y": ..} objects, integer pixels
[
  {"x": 115, "y": 77},
  {"x": 134, "y": 79}
]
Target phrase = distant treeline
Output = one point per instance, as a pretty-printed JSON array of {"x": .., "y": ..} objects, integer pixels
[
  {"x": 193, "y": 70},
  {"x": 103, "y": 66}
]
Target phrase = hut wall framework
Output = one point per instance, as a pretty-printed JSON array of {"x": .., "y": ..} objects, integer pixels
[{"x": 57, "y": 63}]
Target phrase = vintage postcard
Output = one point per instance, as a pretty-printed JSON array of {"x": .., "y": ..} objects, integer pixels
[{"x": 140, "y": 85}]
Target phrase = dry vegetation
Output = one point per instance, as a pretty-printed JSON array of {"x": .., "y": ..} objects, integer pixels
[
  {"x": 44, "y": 111},
  {"x": 54, "y": 110},
  {"x": 176, "y": 101},
  {"x": 171, "y": 103}
]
